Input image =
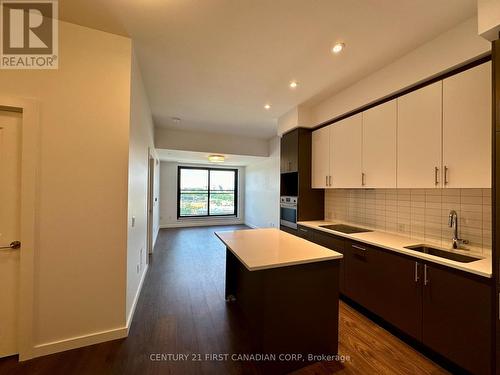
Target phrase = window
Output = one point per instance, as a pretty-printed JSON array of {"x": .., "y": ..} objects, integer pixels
[{"x": 206, "y": 192}]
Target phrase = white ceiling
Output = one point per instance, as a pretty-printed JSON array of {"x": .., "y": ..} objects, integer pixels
[
  {"x": 192, "y": 157},
  {"x": 215, "y": 63}
]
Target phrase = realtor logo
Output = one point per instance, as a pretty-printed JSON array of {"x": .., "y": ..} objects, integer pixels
[{"x": 29, "y": 34}]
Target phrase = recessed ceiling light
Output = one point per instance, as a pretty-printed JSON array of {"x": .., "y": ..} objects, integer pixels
[
  {"x": 216, "y": 158},
  {"x": 294, "y": 84},
  {"x": 338, "y": 47},
  {"x": 267, "y": 106}
]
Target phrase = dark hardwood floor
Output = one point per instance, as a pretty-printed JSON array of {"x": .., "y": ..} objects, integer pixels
[{"x": 182, "y": 310}]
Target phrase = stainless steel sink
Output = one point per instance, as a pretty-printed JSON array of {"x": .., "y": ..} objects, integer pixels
[
  {"x": 442, "y": 253},
  {"x": 342, "y": 228}
]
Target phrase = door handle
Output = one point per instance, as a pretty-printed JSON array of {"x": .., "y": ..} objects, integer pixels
[
  {"x": 13, "y": 246},
  {"x": 446, "y": 175},
  {"x": 416, "y": 272},
  {"x": 359, "y": 247},
  {"x": 329, "y": 180},
  {"x": 363, "y": 179},
  {"x": 436, "y": 172},
  {"x": 326, "y": 180},
  {"x": 426, "y": 280}
]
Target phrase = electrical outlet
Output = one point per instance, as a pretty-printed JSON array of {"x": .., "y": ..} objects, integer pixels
[{"x": 401, "y": 227}]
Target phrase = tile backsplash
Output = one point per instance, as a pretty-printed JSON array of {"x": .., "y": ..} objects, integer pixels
[{"x": 421, "y": 214}]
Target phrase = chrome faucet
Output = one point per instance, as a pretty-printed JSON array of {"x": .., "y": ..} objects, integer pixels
[{"x": 453, "y": 223}]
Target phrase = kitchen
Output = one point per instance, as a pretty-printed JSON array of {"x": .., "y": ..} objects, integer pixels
[
  {"x": 272, "y": 187},
  {"x": 408, "y": 202}
]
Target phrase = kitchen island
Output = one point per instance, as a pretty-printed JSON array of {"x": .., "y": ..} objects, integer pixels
[{"x": 287, "y": 289}]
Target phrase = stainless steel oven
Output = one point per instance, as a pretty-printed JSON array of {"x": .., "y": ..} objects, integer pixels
[{"x": 288, "y": 212}]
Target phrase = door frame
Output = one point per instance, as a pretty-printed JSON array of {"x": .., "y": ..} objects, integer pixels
[
  {"x": 150, "y": 204},
  {"x": 30, "y": 166}
]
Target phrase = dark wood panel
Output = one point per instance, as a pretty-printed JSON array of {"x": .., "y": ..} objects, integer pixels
[
  {"x": 360, "y": 278},
  {"x": 457, "y": 319},
  {"x": 387, "y": 284},
  {"x": 290, "y": 152},
  {"x": 290, "y": 309},
  {"x": 306, "y": 233},
  {"x": 334, "y": 243},
  {"x": 289, "y": 230}
]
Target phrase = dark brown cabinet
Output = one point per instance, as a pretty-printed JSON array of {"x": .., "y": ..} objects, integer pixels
[
  {"x": 386, "y": 284},
  {"x": 335, "y": 244},
  {"x": 447, "y": 310},
  {"x": 456, "y": 318},
  {"x": 290, "y": 152}
]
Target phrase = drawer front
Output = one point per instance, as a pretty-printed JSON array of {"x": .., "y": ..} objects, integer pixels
[
  {"x": 336, "y": 244},
  {"x": 305, "y": 232}
]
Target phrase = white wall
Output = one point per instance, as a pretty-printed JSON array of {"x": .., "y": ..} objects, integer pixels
[
  {"x": 80, "y": 254},
  {"x": 173, "y": 139},
  {"x": 141, "y": 146},
  {"x": 262, "y": 189},
  {"x": 168, "y": 199},
  {"x": 488, "y": 14},
  {"x": 450, "y": 49}
]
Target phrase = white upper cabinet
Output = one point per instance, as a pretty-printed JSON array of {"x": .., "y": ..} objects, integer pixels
[
  {"x": 467, "y": 128},
  {"x": 346, "y": 152},
  {"x": 321, "y": 158},
  {"x": 379, "y": 146},
  {"x": 419, "y": 138}
]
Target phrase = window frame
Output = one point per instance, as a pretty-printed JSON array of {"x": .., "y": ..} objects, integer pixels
[{"x": 208, "y": 169}]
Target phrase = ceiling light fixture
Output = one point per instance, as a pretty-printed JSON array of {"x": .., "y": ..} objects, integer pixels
[
  {"x": 338, "y": 47},
  {"x": 216, "y": 158},
  {"x": 267, "y": 106},
  {"x": 293, "y": 84}
]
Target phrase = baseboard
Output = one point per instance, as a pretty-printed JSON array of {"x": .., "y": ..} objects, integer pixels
[
  {"x": 200, "y": 224},
  {"x": 93, "y": 338},
  {"x": 79, "y": 341},
  {"x": 136, "y": 298}
]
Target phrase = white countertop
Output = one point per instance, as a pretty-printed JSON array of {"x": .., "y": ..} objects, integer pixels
[
  {"x": 260, "y": 249},
  {"x": 393, "y": 242}
]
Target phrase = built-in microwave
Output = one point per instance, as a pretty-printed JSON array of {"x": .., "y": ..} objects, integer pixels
[{"x": 288, "y": 212}]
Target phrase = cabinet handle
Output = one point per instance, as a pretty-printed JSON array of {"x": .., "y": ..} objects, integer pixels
[
  {"x": 416, "y": 272},
  {"x": 426, "y": 280},
  {"x": 359, "y": 247},
  {"x": 436, "y": 172},
  {"x": 446, "y": 175},
  {"x": 326, "y": 180},
  {"x": 329, "y": 180},
  {"x": 362, "y": 179}
]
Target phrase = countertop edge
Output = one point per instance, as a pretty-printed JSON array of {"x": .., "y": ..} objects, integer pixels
[
  {"x": 336, "y": 256},
  {"x": 410, "y": 253}
]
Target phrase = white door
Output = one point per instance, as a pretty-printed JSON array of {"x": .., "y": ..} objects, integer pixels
[
  {"x": 346, "y": 152},
  {"x": 379, "y": 146},
  {"x": 467, "y": 128},
  {"x": 10, "y": 168},
  {"x": 321, "y": 158},
  {"x": 419, "y": 138}
]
